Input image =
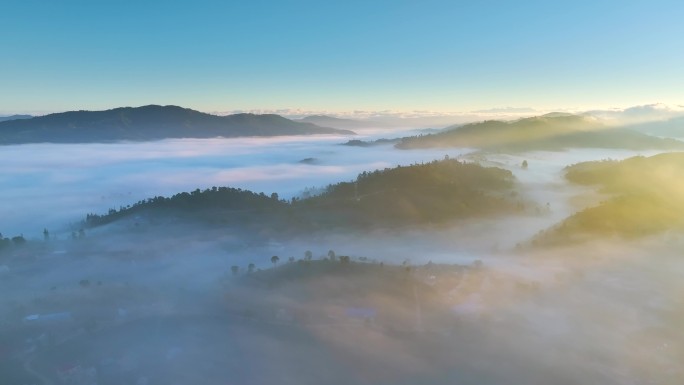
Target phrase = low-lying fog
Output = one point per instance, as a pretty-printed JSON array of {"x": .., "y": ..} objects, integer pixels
[
  {"x": 49, "y": 185},
  {"x": 161, "y": 306}
]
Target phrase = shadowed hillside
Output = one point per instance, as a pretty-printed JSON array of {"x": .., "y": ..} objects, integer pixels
[
  {"x": 149, "y": 123},
  {"x": 435, "y": 192}
]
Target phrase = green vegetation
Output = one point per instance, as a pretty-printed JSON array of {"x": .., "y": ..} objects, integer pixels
[
  {"x": 323, "y": 292},
  {"x": 648, "y": 198},
  {"x": 218, "y": 204},
  {"x": 364, "y": 143},
  {"x": 9, "y": 243},
  {"x": 547, "y": 132},
  {"x": 435, "y": 192}
]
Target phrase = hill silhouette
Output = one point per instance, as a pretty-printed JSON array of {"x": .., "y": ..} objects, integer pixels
[
  {"x": 341, "y": 123},
  {"x": 149, "y": 123},
  {"x": 435, "y": 192},
  {"x": 553, "y": 131},
  {"x": 14, "y": 117},
  {"x": 673, "y": 128}
]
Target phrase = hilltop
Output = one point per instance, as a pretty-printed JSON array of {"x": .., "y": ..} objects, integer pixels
[
  {"x": 14, "y": 117},
  {"x": 548, "y": 132},
  {"x": 647, "y": 198},
  {"x": 149, "y": 123},
  {"x": 435, "y": 192},
  {"x": 340, "y": 123}
]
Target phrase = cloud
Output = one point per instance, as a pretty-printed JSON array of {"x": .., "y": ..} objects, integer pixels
[
  {"x": 508, "y": 110},
  {"x": 638, "y": 114},
  {"x": 47, "y": 185}
]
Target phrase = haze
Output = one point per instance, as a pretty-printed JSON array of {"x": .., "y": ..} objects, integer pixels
[{"x": 370, "y": 193}]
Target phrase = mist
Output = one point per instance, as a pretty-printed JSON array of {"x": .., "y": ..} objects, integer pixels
[
  {"x": 461, "y": 302},
  {"x": 50, "y": 185}
]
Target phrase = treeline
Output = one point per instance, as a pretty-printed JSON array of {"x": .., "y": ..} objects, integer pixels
[
  {"x": 434, "y": 192},
  {"x": 210, "y": 202},
  {"x": 6, "y": 243}
]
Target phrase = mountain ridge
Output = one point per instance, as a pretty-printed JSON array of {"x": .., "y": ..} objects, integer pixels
[
  {"x": 150, "y": 122},
  {"x": 340, "y": 123},
  {"x": 14, "y": 117},
  {"x": 547, "y": 132}
]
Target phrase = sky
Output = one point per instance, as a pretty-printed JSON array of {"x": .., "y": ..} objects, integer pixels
[{"x": 339, "y": 56}]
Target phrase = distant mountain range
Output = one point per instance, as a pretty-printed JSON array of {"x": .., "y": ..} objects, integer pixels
[
  {"x": 553, "y": 131},
  {"x": 672, "y": 128},
  {"x": 14, "y": 117},
  {"x": 329, "y": 121},
  {"x": 149, "y": 123}
]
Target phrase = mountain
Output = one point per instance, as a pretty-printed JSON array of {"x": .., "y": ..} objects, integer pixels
[
  {"x": 149, "y": 123},
  {"x": 672, "y": 128},
  {"x": 329, "y": 121},
  {"x": 365, "y": 143},
  {"x": 647, "y": 198},
  {"x": 14, "y": 117},
  {"x": 431, "y": 193},
  {"x": 553, "y": 131},
  {"x": 638, "y": 114}
]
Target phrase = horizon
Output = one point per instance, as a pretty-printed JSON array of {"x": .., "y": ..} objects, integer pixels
[{"x": 297, "y": 113}]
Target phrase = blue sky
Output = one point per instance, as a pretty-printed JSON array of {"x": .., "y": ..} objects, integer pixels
[{"x": 340, "y": 56}]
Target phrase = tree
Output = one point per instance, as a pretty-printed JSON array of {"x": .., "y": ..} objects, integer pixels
[
  {"x": 46, "y": 234},
  {"x": 524, "y": 164},
  {"x": 235, "y": 269},
  {"x": 331, "y": 255},
  {"x": 250, "y": 268},
  {"x": 274, "y": 260},
  {"x": 291, "y": 260},
  {"x": 344, "y": 259},
  {"x": 308, "y": 255},
  {"x": 19, "y": 240}
]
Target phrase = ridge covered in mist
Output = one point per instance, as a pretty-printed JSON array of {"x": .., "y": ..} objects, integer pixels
[
  {"x": 673, "y": 127},
  {"x": 14, "y": 117},
  {"x": 340, "y": 123},
  {"x": 555, "y": 131},
  {"x": 149, "y": 123},
  {"x": 646, "y": 198},
  {"x": 435, "y": 192}
]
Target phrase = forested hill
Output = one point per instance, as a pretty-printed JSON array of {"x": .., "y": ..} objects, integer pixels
[
  {"x": 217, "y": 204},
  {"x": 149, "y": 123},
  {"x": 547, "y": 132},
  {"x": 435, "y": 192},
  {"x": 647, "y": 199}
]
